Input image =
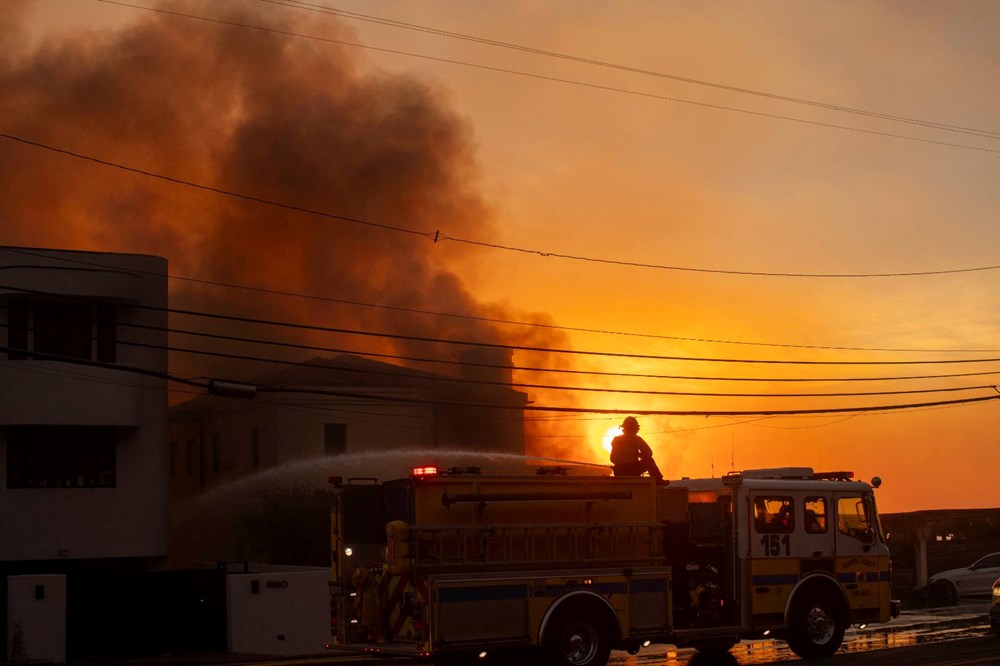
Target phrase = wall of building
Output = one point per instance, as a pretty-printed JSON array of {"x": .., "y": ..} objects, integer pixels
[{"x": 127, "y": 518}]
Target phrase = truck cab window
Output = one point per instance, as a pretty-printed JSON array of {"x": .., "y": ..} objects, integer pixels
[
  {"x": 815, "y": 515},
  {"x": 853, "y": 519},
  {"x": 773, "y": 515}
]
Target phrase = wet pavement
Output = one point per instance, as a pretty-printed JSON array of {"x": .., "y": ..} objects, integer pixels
[
  {"x": 914, "y": 627},
  {"x": 930, "y": 625}
]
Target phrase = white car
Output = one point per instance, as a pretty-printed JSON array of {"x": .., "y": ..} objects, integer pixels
[{"x": 972, "y": 581}]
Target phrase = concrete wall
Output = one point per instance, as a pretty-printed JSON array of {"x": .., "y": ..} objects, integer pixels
[
  {"x": 36, "y": 619},
  {"x": 278, "y": 613},
  {"x": 130, "y": 519}
]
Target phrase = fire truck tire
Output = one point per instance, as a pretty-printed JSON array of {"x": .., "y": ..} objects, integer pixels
[
  {"x": 816, "y": 625},
  {"x": 577, "y": 636}
]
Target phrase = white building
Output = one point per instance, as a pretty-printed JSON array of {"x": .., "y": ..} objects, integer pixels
[{"x": 83, "y": 456}]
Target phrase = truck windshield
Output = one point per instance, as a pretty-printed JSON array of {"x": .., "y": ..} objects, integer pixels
[{"x": 856, "y": 517}]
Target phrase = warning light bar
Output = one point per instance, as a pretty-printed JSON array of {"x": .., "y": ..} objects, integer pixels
[
  {"x": 425, "y": 471},
  {"x": 834, "y": 475}
]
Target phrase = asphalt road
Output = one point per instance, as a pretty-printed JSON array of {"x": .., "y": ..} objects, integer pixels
[{"x": 955, "y": 636}]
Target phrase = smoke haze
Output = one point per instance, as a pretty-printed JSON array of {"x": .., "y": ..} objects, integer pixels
[{"x": 273, "y": 116}]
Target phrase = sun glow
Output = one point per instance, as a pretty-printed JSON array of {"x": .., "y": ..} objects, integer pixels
[{"x": 609, "y": 435}]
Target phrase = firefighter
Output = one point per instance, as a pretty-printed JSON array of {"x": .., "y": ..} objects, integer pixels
[
  {"x": 368, "y": 604},
  {"x": 630, "y": 454}
]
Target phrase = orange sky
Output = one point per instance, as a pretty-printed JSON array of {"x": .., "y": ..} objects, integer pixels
[{"x": 578, "y": 170}]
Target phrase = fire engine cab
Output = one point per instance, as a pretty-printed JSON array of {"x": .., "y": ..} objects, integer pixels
[{"x": 458, "y": 566}]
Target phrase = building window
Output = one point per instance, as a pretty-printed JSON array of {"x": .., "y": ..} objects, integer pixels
[
  {"x": 255, "y": 447},
  {"x": 17, "y": 329},
  {"x": 216, "y": 445},
  {"x": 334, "y": 438},
  {"x": 106, "y": 331},
  {"x": 60, "y": 457},
  {"x": 75, "y": 330}
]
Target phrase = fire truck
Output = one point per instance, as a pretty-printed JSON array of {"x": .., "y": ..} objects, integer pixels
[{"x": 460, "y": 567}]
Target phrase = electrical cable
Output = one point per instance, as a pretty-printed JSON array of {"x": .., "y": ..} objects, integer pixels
[
  {"x": 422, "y": 377},
  {"x": 556, "y": 79},
  {"x": 493, "y": 320},
  {"x": 343, "y": 13},
  {"x": 158, "y": 374},
  {"x": 54, "y": 372},
  {"x": 521, "y": 348},
  {"x": 437, "y": 236},
  {"x": 519, "y": 407},
  {"x": 639, "y": 412}
]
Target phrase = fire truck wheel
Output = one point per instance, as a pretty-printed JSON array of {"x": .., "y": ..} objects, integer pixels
[
  {"x": 577, "y": 637},
  {"x": 817, "y": 624}
]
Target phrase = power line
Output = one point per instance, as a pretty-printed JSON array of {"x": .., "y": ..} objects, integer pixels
[
  {"x": 521, "y": 348},
  {"x": 438, "y": 235},
  {"x": 495, "y": 320},
  {"x": 308, "y": 364},
  {"x": 717, "y": 271},
  {"x": 518, "y": 407},
  {"x": 216, "y": 190},
  {"x": 158, "y": 374},
  {"x": 555, "y": 79},
  {"x": 54, "y": 372},
  {"x": 298, "y": 4},
  {"x": 511, "y": 384},
  {"x": 644, "y": 412},
  {"x": 504, "y": 384}
]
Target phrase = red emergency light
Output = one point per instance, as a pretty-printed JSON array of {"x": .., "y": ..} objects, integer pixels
[{"x": 425, "y": 471}]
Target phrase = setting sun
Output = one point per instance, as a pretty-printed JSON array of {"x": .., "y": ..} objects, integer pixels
[{"x": 609, "y": 435}]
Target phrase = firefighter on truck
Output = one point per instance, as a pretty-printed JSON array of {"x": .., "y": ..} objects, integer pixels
[{"x": 458, "y": 566}]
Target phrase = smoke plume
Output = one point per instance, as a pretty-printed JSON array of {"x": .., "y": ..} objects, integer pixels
[{"x": 269, "y": 114}]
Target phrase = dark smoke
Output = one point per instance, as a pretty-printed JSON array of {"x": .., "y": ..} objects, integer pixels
[{"x": 274, "y": 116}]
